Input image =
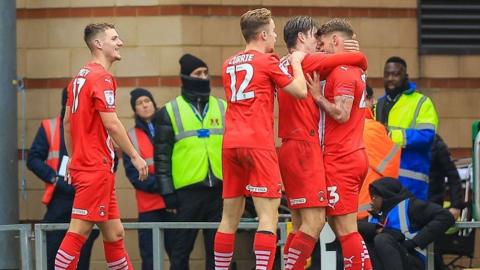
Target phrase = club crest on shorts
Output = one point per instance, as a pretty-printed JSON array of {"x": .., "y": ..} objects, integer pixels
[
  {"x": 101, "y": 211},
  {"x": 321, "y": 196},
  {"x": 109, "y": 97}
]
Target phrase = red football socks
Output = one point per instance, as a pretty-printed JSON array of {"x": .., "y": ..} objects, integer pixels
[
  {"x": 355, "y": 253},
  {"x": 116, "y": 256},
  {"x": 288, "y": 242},
  {"x": 69, "y": 251},
  {"x": 264, "y": 246},
  {"x": 300, "y": 250},
  {"x": 223, "y": 250}
]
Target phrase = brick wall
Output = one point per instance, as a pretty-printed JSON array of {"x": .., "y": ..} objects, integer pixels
[{"x": 156, "y": 33}]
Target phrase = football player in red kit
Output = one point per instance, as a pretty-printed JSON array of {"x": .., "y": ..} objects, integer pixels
[
  {"x": 300, "y": 155},
  {"x": 342, "y": 99},
  {"x": 90, "y": 126},
  {"x": 250, "y": 165}
]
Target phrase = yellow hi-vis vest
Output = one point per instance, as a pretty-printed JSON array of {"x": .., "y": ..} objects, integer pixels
[{"x": 198, "y": 143}]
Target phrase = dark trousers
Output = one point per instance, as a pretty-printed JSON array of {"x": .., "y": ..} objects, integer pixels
[
  {"x": 59, "y": 211},
  {"x": 145, "y": 240},
  {"x": 199, "y": 204},
  {"x": 389, "y": 254}
]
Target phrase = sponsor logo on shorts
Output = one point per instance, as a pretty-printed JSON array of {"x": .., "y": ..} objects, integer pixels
[
  {"x": 256, "y": 189},
  {"x": 80, "y": 212},
  {"x": 298, "y": 201},
  {"x": 101, "y": 211}
]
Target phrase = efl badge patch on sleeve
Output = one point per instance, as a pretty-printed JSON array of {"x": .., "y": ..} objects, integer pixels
[{"x": 109, "y": 98}]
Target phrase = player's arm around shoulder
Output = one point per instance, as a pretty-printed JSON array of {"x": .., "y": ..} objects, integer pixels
[
  {"x": 298, "y": 87},
  {"x": 343, "y": 86}
]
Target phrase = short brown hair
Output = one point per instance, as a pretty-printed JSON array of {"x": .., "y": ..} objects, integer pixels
[
  {"x": 336, "y": 25},
  {"x": 252, "y": 20},
  {"x": 93, "y": 29}
]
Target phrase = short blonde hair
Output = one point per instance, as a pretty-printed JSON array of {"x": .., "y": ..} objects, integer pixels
[
  {"x": 336, "y": 25},
  {"x": 252, "y": 20}
]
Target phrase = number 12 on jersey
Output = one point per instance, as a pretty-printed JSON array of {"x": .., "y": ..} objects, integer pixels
[{"x": 239, "y": 94}]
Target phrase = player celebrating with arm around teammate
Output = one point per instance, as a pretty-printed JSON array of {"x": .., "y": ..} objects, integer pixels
[
  {"x": 342, "y": 98},
  {"x": 249, "y": 160},
  {"x": 90, "y": 124},
  {"x": 300, "y": 155}
]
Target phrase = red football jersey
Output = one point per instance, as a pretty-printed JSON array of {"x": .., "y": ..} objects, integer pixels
[
  {"x": 250, "y": 79},
  {"x": 337, "y": 138},
  {"x": 91, "y": 91},
  {"x": 299, "y": 118}
]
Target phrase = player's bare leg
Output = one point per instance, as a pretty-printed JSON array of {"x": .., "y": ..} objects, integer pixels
[
  {"x": 265, "y": 241},
  {"x": 355, "y": 254},
  {"x": 114, "y": 247}
]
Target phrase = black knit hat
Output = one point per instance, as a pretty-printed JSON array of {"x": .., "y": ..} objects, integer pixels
[
  {"x": 189, "y": 63},
  {"x": 140, "y": 92}
]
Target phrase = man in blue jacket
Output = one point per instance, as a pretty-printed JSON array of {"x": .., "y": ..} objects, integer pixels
[
  {"x": 411, "y": 120},
  {"x": 44, "y": 160}
]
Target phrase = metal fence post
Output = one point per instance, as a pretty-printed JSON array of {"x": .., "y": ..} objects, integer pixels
[
  {"x": 157, "y": 248},
  {"x": 40, "y": 250},
  {"x": 25, "y": 246}
]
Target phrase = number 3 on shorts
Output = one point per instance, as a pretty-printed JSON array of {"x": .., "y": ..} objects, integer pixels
[
  {"x": 333, "y": 196},
  {"x": 238, "y": 94}
]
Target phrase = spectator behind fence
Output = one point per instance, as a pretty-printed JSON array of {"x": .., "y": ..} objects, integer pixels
[
  {"x": 44, "y": 160},
  {"x": 383, "y": 154},
  {"x": 188, "y": 167},
  {"x": 411, "y": 120},
  {"x": 401, "y": 226},
  {"x": 150, "y": 204}
]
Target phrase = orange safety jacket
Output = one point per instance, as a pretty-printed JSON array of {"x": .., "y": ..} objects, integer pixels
[
  {"x": 145, "y": 201},
  {"x": 52, "y": 131},
  {"x": 383, "y": 159}
]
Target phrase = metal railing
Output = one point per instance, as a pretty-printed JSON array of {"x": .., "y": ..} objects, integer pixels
[
  {"x": 157, "y": 235},
  {"x": 25, "y": 231}
]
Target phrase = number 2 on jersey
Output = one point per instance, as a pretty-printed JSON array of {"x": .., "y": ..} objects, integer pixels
[
  {"x": 238, "y": 94},
  {"x": 77, "y": 87}
]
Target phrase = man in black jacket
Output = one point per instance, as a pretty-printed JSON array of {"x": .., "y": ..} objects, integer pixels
[
  {"x": 401, "y": 227},
  {"x": 59, "y": 203},
  {"x": 442, "y": 167},
  {"x": 187, "y": 146}
]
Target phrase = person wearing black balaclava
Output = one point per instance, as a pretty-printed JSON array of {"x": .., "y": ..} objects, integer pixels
[
  {"x": 390, "y": 246},
  {"x": 187, "y": 158},
  {"x": 44, "y": 160}
]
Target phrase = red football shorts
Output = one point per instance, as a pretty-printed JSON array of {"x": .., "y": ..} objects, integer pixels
[
  {"x": 303, "y": 174},
  {"x": 250, "y": 172},
  {"x": 94, "y": 196},
  {"x": 345, "y": 175}
]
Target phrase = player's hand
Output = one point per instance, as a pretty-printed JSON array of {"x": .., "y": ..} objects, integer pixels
[
  {"x": 285, "y": 57},
  {"x": 296, "y": 57},
  {"x": 351, "y": 45},
  {"x": 141, "y": 166},
  {"x": 455, "y": 212},
  {"x": 313, "y": 84}
]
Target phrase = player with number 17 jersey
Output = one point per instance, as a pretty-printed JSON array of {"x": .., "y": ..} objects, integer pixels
[
  {"x": 91, "y": 91},
  {"x": 249, "y": 160}
]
